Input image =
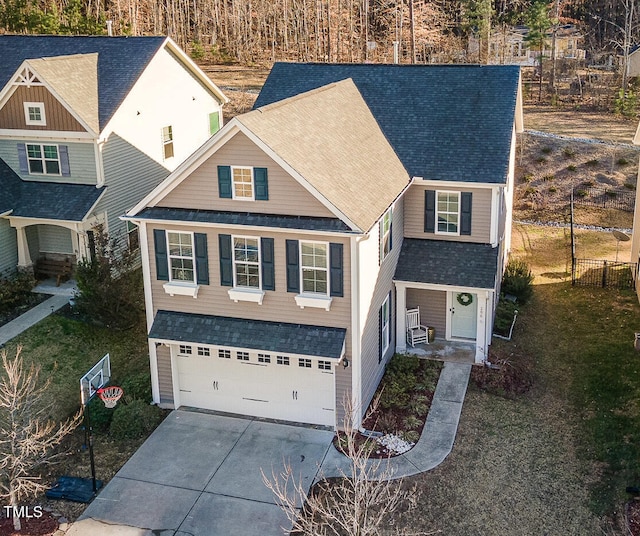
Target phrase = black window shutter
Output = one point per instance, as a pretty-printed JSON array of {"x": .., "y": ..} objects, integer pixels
[
  {"x": 162, "y": 262},
  {"x": 268, "y": 268},
  {"x": 224, "y": 181},
  {"x": 202, "y": 259},
  {"x": 226, "y": 262},
  {"x": 430, "y": 211},
  {"x": 293, "y": 266},
  {"x": 465, "y": 213},
  {"x": 22, "y": 158},
  {"x": 336, "y": 266},
  {"x": 63, "y": 151},
  {"x": 261, "y": 184}
]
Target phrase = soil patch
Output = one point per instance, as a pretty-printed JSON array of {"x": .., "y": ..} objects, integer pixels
[
  {"x": 29, "y": 302},
  {"x": 45, "y": 525}
]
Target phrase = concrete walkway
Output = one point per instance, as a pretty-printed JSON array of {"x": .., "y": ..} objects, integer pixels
[{"x": 31, "y": 317}]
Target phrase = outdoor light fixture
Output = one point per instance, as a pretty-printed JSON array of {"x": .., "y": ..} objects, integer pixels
[{"x": 345, "y": 362}]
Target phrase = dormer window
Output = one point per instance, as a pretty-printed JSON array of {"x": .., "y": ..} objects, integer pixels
[{"x": 34, "y": 113}]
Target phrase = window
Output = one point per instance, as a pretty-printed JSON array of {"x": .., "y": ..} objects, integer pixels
[
  {"x": 264, "y": 358},
  {"x": 242, "y": 178},
  {"x": 246, "y": 262},
  {"x": 133, "y": 238},
  {"x": 214, "y": 122},
  {"x": 313, "y": 266},
  {"x": 282, "y": 360},
  {"x": 167, "y": 142},
  {"x": 447, "y": 212},
  {"x": 34, "y": 113},
  {"x": 385, "y": 234},
  {"x": 185, "y": 350},
  {"x": 384, "y": 328},
  {"x": 43, "y": 159},
  {"x": 181, "y": 256},
  {"x": 242, "y": 356},
  {"x": 304, "y": 363},
  {"x": 224, "y": 354},
  {"x": 324, "y": 365},
  {"x": 203, "y": 351}
]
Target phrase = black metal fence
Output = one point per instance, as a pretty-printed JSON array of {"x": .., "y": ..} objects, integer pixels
[
  {"x": 605, "y": 274},
  {"x": 605, "y": 198}
]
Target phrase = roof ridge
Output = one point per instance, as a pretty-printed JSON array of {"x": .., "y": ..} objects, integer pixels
[{"x": 300, "y": 96}]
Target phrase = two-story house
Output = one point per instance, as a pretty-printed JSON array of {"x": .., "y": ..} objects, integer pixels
[
  {"x": 89, "y": 126},
  {"x": 280, "y": 258}
]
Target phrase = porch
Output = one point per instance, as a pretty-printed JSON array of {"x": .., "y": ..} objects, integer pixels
[
  {"x": 447, "y": 351},
  {"x": 48, "y": 286}
]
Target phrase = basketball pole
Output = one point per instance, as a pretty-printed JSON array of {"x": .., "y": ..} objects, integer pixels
[{"x": 87, "y": 424}]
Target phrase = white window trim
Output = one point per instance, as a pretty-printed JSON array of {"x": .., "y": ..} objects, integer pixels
[
  {"x": 179, "y": 287},
  {"x": 167, "y": 142},
  {"x": 385, "y": 329},
  {"x": 247, "y": 294},
  {"x": 259, "y": 261},
  {"x": 384, "y": 234},
  {"x": 448, "y": 233},
  {"x": 43, "y": 119},
  {"x": 317, "y": 301},
  {"x": 43, "y": 159},
  {"x": 314, "y": 299},
  {"x": 253, "y": 185},
  {"x": 193, "y": 258}
]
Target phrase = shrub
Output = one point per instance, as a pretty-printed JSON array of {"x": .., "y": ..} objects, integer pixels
[
  {"x": 527, "y": 177},
  {"x": 582, "y": 193},
  {"x": 137, "y": 387},
  {"x": 572, "y": 167},
  {"x": 629, "y": 186},
  {"x": 611, "y": 193},
  {"x": 14, "y": 289},
  {"x": 517, "y": 280},
  {"x": 546, "y": 150},
  {"x": 541, "y": 160},
  {"x": 197, "y": 51},
  {"x": 626, "y": 104},
  {"x": 568, "y": 152},
  {"x": 592, "y": 163},
  {"x": 411, "y": 436},
  {"x": 134, "y": 420},
  {"x": 504, "y": 316},
  {"x": 622, "y": 161},
  {"x": 552, "y": 190},
  {"x": 99, "y": 415},
  {"x": 548, "y": 178}
]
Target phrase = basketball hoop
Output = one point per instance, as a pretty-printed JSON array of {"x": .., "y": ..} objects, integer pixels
[{"x": 110, "y": 395}]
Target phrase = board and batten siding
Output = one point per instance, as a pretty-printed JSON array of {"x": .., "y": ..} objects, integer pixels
[
  {"x": 55, "y": 239},
  {"x": 165, "y": 377},
  {"x": 286, "y": 195},
  {"x": 380, "y": 284},
  {"x": 58, "y": 118},
  {"x": 8, "y": 248},
  {"x": 82, "y": 162},
  {"x": 480, "y": 215},
  {"x": 433, "y": 308},
  {"x": 129, "y": 176}
]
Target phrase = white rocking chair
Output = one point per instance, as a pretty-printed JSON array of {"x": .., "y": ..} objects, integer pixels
[{"x": 416, "y": 332}]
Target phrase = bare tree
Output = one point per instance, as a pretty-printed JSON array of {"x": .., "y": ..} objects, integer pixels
[
  {"x": 27, "y": 438},
  {"x": 358, "y": 503}
]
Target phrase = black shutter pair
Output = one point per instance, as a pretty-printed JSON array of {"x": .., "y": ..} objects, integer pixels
[
  {"x": 162, "y": 256},
  {"x": 336, "y": 268},
  {"x": 430, "y": 212},
  {"x": 260, "y": 183},
  {"x": 267, "y": 262}
]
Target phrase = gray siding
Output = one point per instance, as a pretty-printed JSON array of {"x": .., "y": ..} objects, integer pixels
[
  {"x": 480, "y": 215},
  {"x": 81, "y": 162},
  {"x": 130, "y": 175},
  {"x": 433, "y": 308},
  {"x": 54, "y": 239},
  {"x": 33, "y": 241},
  {"x": 165, "y": 379},
  {"x": 8, "y": 248}
]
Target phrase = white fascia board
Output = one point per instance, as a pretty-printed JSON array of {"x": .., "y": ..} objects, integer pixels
[
  {"x": 7, "y": 213},
  {"x": 519, "y": 111},
  {"x": 457, "y": 184},
  {"x": 446, "y": 288},
  {"x": 47, "y": 135},
  {"x": 42, "y": 221},
  {"x": 297, "y": 176},
  {"x": 187, "y": 167},
  {"x": 87, "y": 215},
  {"x": 192, "y": 66}
]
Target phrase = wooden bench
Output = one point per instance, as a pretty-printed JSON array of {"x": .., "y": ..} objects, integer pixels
[{"x": 58, "y": 268}]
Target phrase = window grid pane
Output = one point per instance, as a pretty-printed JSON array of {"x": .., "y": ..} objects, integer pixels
[
  {"x": 34, "y": 113},
  {"x": 448, "y": 207},
  {"x": 314, "y": 268},
  {"x": 243, "y": 183},
  {"x": 43, "y": 159},
  {"x": 181, "y": 258},
  {"x": 246, "y": 255}
]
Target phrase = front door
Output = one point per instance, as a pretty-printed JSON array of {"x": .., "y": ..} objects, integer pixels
[{"x": 464, "y": 315}]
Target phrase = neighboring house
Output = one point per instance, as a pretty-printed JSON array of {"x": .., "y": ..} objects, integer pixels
[
  {"x": 89, "y": 126},
  {"x": 280, "y": 258},
  {"x": 509, "y": 46},
  {"x": 633, "y": 65}
]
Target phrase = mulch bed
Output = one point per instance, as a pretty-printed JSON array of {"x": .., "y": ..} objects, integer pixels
[
  {"x": 30, "y": 301},
  {"x": 45, "y": 525},
  {"x": 632, "y": 517}
]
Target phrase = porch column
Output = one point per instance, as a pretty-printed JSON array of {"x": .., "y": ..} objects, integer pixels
[
  {"x": 24, "y": 258},
  {"x": 401, "y": 319}
]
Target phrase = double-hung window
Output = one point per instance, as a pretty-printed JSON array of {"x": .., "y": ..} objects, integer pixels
[
  {"x": 385, "y": 234},
  {"x": 167, "y": 142},
  {"x": 34, "y": 113},
  {"x": 385, "y": 318},
  {"x": 43, "y": 159},
  {"x": 181, "y": 257},
  {"x": 246, "y": 262},
  {"x": 242, "y": 182},
  {"x": 448, "y": 212},
  {"x": 313, "y": 268}
]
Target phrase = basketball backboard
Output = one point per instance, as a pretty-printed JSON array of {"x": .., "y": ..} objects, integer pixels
[{"x": 98, "y": 376}]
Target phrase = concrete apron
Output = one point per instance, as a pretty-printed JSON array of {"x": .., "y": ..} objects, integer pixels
[{"x": 202, "y": 474}]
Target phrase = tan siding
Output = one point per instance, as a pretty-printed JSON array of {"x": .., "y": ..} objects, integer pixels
[
  {"x": 372, "y": 371},
  {"x": 286, "y": 195},
  {"x": 433, "y": 308},
  {"x": 56, "y": 115},
  {"x": 480, "y": 215},
  {"x": 165, "y": 380}
]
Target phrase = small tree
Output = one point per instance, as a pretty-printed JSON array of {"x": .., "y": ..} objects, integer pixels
[
  {"x": 27, "y": 438},
  {"x": 356, "y": 504},
  {"x": 538, "y": 23}
]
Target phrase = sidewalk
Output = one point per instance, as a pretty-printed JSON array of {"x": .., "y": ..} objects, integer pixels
[{"x": 31, "y": 317}]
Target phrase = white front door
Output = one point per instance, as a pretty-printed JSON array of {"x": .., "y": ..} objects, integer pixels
[{"x": 464, "y": 315}]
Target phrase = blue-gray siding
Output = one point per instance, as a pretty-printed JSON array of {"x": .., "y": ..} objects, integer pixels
[{"x": 8, "y": 248}]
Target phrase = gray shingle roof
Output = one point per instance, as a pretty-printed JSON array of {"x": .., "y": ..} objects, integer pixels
[
  {"x": 307, "y": 223},
  {"x": 445, "y": 122},
  {"x": 278, "y": 337},
  {"x": 441, "y": 262},
  {"x": 45, "y": 200},
  {"x": 121, "y": 60}
]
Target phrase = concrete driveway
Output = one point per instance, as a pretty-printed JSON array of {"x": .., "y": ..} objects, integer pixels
[{"x": 199, "y": 474}]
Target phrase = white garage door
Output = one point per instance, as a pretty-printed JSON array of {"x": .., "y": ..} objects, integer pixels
[{"x": 261, "y": 385}]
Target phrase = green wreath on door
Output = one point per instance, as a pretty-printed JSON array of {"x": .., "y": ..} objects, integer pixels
[{"x": 465, "y": 298}]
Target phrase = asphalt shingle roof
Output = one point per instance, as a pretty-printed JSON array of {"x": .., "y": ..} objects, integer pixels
[
  {"x": 445, "y": 122},
  {"x": 45, "y": 200},
  {"x": 121, "y": 60},
  {"x": 443, "y": 262},
  {"x": 279, "y": 337},
  {"x": 306, "y": 223}
]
